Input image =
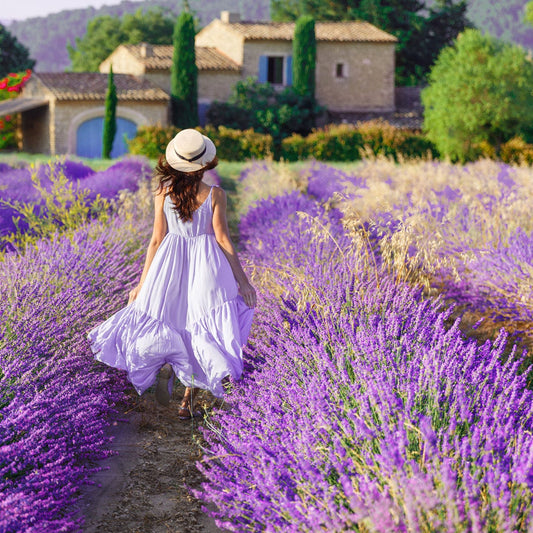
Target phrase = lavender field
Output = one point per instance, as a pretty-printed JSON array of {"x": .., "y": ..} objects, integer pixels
[{"x": 364, "y": 405}]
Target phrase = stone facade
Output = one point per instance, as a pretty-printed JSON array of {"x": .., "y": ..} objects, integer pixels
[
  {"x": 367, "y": 83},
  {"x": 354, "y": 73},
  {"x": 216, "y": 86},
  {"x": 53, "y": 129},
  {"x": 219, "y": 35},
  {"x": 354, "y": 67}
]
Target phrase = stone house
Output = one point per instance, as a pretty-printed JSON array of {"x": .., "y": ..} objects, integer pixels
[
  {"x": 217, "y": 73},
  {"x": 355, "y": 61},
  {"x": 354, "y": 66},
  {"x": 62, "y": 112}
]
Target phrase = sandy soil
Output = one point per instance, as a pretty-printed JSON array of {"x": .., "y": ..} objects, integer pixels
[{"x": 144, "y": 489}]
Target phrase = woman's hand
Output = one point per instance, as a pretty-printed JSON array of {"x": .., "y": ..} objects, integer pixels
[
  {"x": 133, "y": 294},
  {"x": 248, "y": 294}
]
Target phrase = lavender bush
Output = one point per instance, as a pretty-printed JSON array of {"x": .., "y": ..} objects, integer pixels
[
  {"x": 465, "y": 230},
  {"x": 55, "y": 403},
  {"x": 37, "y": 201},
  {"x": 361, "y": 410}
]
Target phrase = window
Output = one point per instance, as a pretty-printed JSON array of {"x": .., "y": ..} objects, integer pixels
[
  {"x": 340, "y": 70},
  {"x": 275, "y": 70}
]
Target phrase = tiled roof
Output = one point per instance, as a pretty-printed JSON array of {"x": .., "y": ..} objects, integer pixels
[
  {"x": 93, "y": 86},
  {"x": 351, "y": 31},
  {"x": 159, "y": 57}
]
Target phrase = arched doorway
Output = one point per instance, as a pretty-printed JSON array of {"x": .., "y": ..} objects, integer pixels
[{"x": 89, "y": 137}]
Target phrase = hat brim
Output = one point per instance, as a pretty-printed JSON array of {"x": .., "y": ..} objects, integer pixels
[{"x": 182, "y": 165}]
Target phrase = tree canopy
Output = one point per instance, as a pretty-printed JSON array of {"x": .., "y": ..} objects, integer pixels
[
  {"x": 105, "y": 33},
  {"x": 14, "y": 56},
  {"x": 421, "y": 31},
  {"x": 479, "y": 91}
]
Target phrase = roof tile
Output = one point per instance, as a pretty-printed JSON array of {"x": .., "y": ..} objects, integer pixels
[
  {"x": 93, "y": 86},
  {"x": 159, "y": 57},
  {"x": 349, "y": 31}
]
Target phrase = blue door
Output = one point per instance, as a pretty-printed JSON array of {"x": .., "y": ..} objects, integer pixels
[{"x": 89, "y": 137}]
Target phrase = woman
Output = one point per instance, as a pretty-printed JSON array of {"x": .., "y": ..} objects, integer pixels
[{"x": 192, "y": 310}]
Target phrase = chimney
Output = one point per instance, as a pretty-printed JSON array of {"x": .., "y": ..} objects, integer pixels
[
  {"x": 146, "y": 50},
  {"x": 229, "y": 18}
]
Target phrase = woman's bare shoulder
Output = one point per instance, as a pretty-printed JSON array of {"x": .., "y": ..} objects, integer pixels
[{"x": 219, "y": 194}]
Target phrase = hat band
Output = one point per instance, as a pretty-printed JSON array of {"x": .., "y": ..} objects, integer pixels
[{"x": 192, "y": 158}]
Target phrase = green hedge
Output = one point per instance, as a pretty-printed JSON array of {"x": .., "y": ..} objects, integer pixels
[
  {"x": 346, "y": 142},
  {"x": 232, "y": 145},
  {"x": 333, "y": 143}
]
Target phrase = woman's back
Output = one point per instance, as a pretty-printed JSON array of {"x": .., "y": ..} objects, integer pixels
[{"x": 202, "y": 221}]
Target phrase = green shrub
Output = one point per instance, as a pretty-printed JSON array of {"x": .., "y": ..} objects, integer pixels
[
  {"x": 336, "y": 142},
  {"x": 261, "y": 107},
  {"x": 228, "y": 115},
  {"x": 347, "y": 142},
  {"x": 232, "y": 145},
  {"x": 415, "y": 145},
  {"x": 516, "y": 151},
  {"x": 295, "y": 148},
  {"x": 151, "y": 141}
]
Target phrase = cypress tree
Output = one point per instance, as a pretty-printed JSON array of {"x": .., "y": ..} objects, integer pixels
[
  {"x": 184, "y": 74},
  {"x": 304, "y": 56},
  {"x": 110, "y": 120}
]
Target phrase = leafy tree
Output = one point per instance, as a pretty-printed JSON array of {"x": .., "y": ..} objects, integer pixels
[
  {"x": 304, "y": 56},
  {"x": 110, "y": 117},
  {"x": 421, "y": 31},
  {"x": 14, "y": 56},
  {"x": 151, "y": 27},
  {"x": 105, "y": 33},
  {"x": 184, "y": 74},
  {"x": 479, "y": 91}
]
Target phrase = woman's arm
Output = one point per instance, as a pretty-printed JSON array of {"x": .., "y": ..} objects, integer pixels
[
  {"x": 158, "y": 233},
  {"x": 220, "y": 225}
]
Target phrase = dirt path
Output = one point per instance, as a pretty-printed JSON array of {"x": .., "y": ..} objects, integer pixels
[{"x": 144, "y": 491}]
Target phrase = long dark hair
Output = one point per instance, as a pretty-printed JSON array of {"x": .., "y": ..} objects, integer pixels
[{"x": 181, "y": 186}]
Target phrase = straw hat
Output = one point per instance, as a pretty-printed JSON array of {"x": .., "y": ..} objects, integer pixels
[{"x": 189, "y": 150}]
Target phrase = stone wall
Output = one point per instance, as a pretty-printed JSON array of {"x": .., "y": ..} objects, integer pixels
[
  {"x": 161, "y": 78},
  {"x": 123, "y": 63},
  {"x": 253, "y": 50},
  {"x": 216, "y": 85},
  {"x": 368, "y": 84},
  {"x": 218, "y": 35}
]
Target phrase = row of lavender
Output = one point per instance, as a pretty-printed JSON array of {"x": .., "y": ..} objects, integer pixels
[
  {"x": 464, "y": 230},
  {"x": 361, "y": 410},
  {"x": 55, "y": 403}
]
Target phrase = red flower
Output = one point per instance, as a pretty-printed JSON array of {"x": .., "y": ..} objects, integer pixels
[
  {"x": 12, "y": 74},
  {"x": 8, "y": 117},
  {"x": 3, "y": 84}
]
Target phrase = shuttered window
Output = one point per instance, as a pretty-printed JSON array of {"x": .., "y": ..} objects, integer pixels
[{"x": 276, "y": 70}]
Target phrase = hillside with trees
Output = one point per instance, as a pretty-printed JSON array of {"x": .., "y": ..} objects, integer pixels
[
  {"x": 503, "y": 19},
  {"x": 47, "y": 37}
]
